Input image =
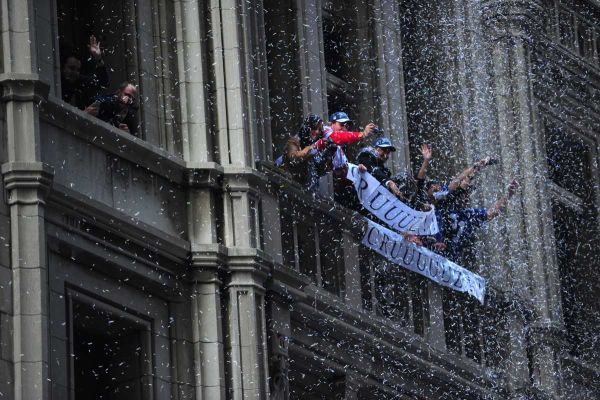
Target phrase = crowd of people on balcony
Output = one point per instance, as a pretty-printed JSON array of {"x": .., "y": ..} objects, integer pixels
[
  {"x": 83, "y": 84},
  {"x": 317, "y": 149}
]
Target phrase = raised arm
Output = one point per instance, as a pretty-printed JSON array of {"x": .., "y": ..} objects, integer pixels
[
  {"x": 469, "y": 173},
  {"x": 426, "y": 152},
  {"x": 345, "y": 137},
  {"x": 100, "y": 71}
]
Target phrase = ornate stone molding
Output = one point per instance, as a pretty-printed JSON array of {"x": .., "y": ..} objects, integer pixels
[
  {"x": 205, "y": 176},
  {"x": 512, "y": 18},
  {"x": 23, "y": 87},
  {"x": 27, "y": 183},
  {"x": 207, "y": 261}
]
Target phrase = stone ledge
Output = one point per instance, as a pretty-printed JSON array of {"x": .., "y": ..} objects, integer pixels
[
  {"x": 27, "y": 182},
  {"x": 23, "y": 87},
  {"x": 114, "y": 141}
]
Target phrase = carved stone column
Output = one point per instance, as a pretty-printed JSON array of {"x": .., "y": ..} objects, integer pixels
[
  {"x": 279, "y": 336},
  {"x": 246, "y": 329},
  {"x": 207, "y": 323},
  {"x": 27, "y": 182},
  {"x": 512, "y": 27}
]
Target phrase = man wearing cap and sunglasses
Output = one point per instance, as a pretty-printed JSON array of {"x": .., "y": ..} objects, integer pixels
[
  {"x": 337, "y": 131},
  {"x": 372, "y": 160}
]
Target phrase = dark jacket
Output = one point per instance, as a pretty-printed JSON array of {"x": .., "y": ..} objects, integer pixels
[
  {"x": 89, "y": 85},
  {"x": 375, "y": 165},
  {"x": 110, "y": 109}
]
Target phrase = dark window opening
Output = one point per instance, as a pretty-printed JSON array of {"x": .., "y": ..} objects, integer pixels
[
  {"x": 366, "y": 277},
  {"x": 311, "y": 380},
  {"x": 111, "y": 354},
  {"x": 285, "y": 92},
  {"x": 462, "y": 324},
  {"x": 584, "y": 40},
  {"x": 332, "y": 258},
  {"x": 137, "y": 42},
  {"x": 569, "y": 163},
  {"x": 307, "y": 249},
  {"x": 288, "y": 241},
  {"x": 495, "y": 335},
  {"x": 452, "y": 321},
  {"x": 340, "y": 46},
  {"x": 565, "y": 29},
  {"x": 579, "y": 261},
  {"x": 419, "y": 287}
]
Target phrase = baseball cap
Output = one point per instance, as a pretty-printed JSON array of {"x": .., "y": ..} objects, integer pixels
[
  {"x": 339, "y": 116},
  {"x": 384, "y": 143}
]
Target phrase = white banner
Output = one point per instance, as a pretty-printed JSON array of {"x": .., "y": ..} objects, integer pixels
[
  {"x": 382, "y": 203},
  {"x": 395, "y": 248}
]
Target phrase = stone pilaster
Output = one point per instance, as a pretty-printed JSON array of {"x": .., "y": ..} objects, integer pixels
[
  {"x": 279, "y": 335},
  {"x": 207, "y": 323},
  {"x": 246, "y": 329},
  {"x": 312, "y": 61},
  {"x": 192, "y": 62},
  {"x": 512, "y": 28},
  {"x": 208, "y": 258},
  {"x": 392, "y": 105},
  {"x": 242, "y": 118},
  {"x": 27, "y": 182}
]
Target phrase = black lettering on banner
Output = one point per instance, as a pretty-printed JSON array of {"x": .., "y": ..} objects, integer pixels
[
  {"x": 447, "y": 268},
  {"x": 458, "y": 279},
  {"x": 371, "y": 230},
  {"x": 412, "y": 256},
  {"x": 397, "y": 245},
  {"x": 387, "y": 217},
  {"x": 384, "y": 243},
  {"x": 354, "y": 171},
  {"x": 419, "y": 263},
  {"x": 435, "y": 264},
  {"x": 399, "y": 223},
  {"x": 414, "y": 222},
  {"x": 362, "y": 185},
  {"x": 374, "y": 199}
]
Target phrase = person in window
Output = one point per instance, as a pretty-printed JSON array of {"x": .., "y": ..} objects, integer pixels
[
  {"x": 117, "y": 109},
  {"x": 79, "y": 86},
  {"x": 372, "y": 160},
  {"x": 460, "y": 226},
  {"x": 457, "y": 221},
  {"x": 306, "y": 153},
  {"x": 337, "y": 132}
]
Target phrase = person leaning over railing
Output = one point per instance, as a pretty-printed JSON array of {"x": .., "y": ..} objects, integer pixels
[
  {"x": 305, "y": 153},
  {"x": 117, "y": 109},
  {"x": 337, "y": 133},
  {"x": 457, "y": 221}
]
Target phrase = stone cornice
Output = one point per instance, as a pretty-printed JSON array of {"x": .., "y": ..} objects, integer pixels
[
  {"x": 204, "y": 176},
  {"x": 552, "y": 334},
  {"x": 27, "y": 182},
  {"x": 23, "y": 87},
  {"x": 70, "y": 202},
  {"x": 244, "y": 180},
  {"x": 512, "y": 18}
]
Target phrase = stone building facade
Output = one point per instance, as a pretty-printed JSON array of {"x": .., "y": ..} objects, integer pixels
[{"x": 183, "y": 265}]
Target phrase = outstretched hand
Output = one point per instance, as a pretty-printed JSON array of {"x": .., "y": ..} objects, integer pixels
[
  {"x": 94, "y": 48},
  {"x": 426, "y": 152},
  {"x": 369, "y": 129},
  {"x": 513, "y": 187}
]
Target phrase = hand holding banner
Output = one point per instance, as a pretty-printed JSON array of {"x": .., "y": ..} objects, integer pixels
[{"x": 384, "y": 205}]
